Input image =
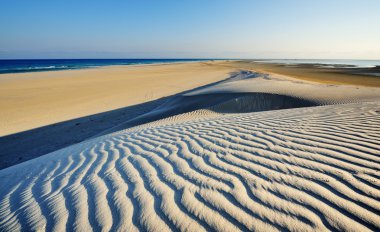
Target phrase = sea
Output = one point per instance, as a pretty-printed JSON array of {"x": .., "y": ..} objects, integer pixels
[{"x": 37, "y": 65}]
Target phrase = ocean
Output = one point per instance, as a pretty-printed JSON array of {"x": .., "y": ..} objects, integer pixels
[{"x": 36, "y": 65}]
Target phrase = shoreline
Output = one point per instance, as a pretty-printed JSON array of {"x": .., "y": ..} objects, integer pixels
[
  {"x": 47, "y": 111},
  {"x": 79, "y": 79},
  {"x": 109, "y": 65}
]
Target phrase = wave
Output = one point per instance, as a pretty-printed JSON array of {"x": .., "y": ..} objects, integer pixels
[
  {"x": 17, "y": 66},
  {"x": 34, "y": 69}
]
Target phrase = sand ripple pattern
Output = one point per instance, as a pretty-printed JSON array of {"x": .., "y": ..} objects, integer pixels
[{"x": 300, "y": 169}]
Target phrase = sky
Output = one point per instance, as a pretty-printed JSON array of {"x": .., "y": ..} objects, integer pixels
[{"x": 314, "y": 29}]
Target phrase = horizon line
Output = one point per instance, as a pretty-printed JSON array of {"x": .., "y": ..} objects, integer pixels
[{"x": 378, "y": 59}]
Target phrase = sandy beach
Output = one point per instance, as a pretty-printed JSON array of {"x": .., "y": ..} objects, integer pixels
[
  {"x": 37, "y": 99},
  {"x": 203, "y": 146}
]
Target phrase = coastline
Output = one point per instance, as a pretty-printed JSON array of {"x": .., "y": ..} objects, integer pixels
[
  {"x": 79, "y": 64},
  {"x": 41, "y": 107},
  {"x": 34, "y": 99}
]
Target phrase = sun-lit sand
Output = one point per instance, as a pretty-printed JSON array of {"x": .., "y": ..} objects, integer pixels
[
  {"x": 31, "y": 100},
  {"x": 254, "y": 152}
]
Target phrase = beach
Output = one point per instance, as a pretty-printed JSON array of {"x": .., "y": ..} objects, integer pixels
[
  {"x": 201, "y": 146},
  {"x": 37, "y": 99}
]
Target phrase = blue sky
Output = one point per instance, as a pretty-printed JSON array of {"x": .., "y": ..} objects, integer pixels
[{"x": 190, "y": 29}]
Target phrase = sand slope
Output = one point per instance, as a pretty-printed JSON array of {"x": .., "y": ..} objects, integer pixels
[
  {"x": 303, "y": 169},
  {"x": 247, "y": 91},
  {"x": 41, "y": 112}
]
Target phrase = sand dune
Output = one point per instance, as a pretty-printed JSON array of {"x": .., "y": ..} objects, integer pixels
[
  {"x": 252, "y": 153},
  {"x": 299, "y": 169},
  {"x": 247, "y": 91}
]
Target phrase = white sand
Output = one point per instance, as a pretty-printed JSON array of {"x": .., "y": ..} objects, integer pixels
[{"x": 217, "y": 168}]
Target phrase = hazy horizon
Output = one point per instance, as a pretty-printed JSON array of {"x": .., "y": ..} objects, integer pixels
[
  {"x": 177, "y": 58},
  {"x": 193, "y": 29}
]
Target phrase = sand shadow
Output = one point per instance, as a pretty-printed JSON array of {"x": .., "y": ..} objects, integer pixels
[{"x": 26, "y": 145}]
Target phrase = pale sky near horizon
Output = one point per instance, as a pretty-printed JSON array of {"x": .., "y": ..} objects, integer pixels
[{"x": 347, "y": 29}]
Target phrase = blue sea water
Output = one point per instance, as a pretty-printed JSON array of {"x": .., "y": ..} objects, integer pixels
[
  {"x": 36, "y": 65},
  {"x": 18, "y": 66}
]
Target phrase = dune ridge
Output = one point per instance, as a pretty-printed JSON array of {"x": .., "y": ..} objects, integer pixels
[
  {"x": 247, "y": 91},
  {"x": 306, "y": 169}
]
